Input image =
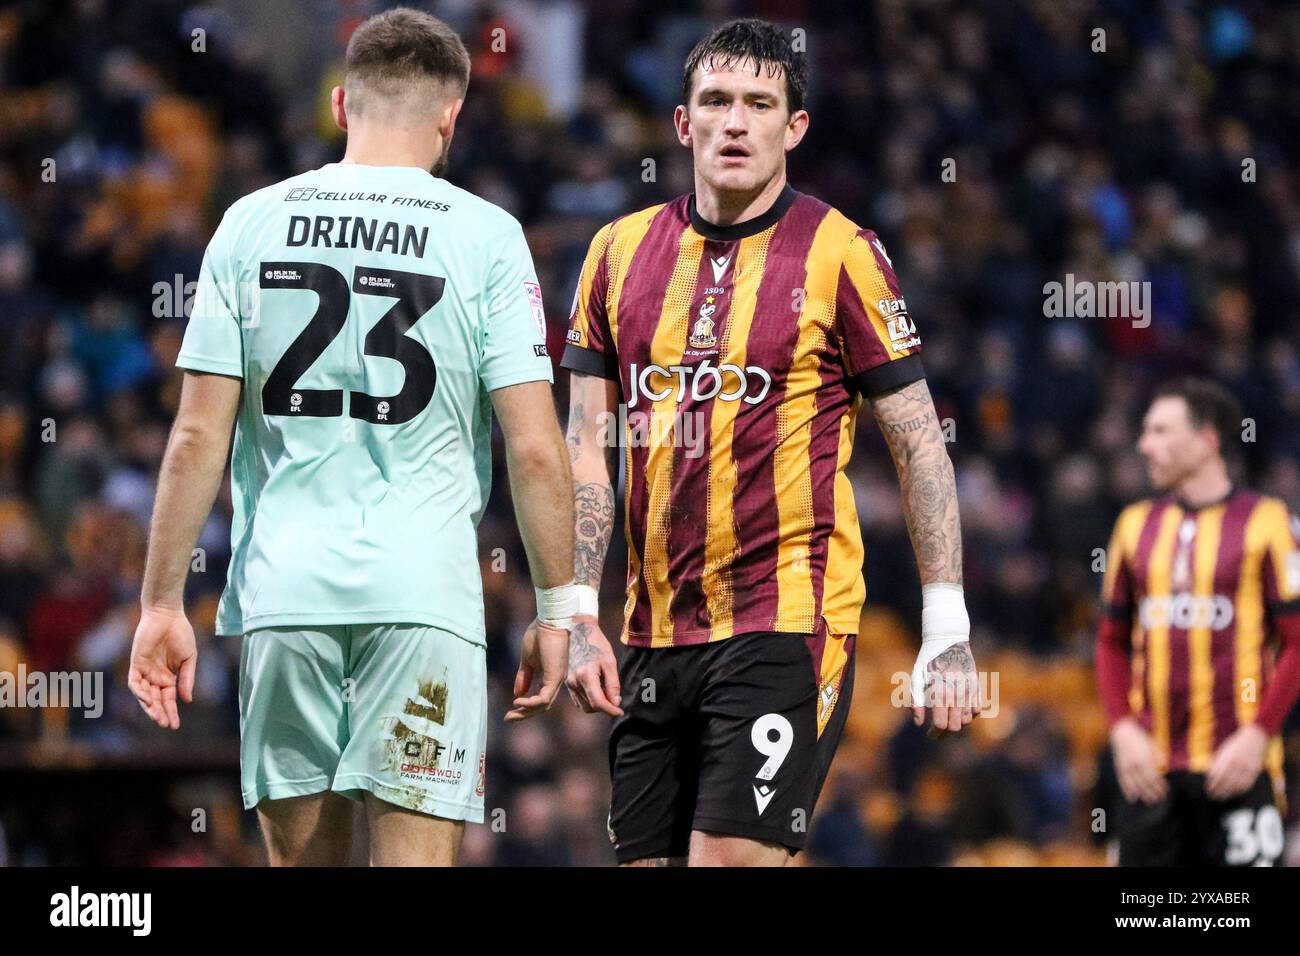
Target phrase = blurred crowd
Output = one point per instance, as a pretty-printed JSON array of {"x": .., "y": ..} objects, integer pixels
[{"x": 995, "y": 145}]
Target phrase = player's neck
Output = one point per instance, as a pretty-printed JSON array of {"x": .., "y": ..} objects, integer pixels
[
  {"x": 1208, "y": 486},
  {"x": 392, "y": 150},
  {"x": 724, "y": 208}
]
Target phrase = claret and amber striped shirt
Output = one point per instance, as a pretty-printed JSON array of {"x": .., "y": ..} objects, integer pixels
[
  {"x": 1196, "y": 601},
  {"x": 743, "y": 353}
]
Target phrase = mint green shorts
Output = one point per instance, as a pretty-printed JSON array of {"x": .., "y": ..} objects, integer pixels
[{"x": 399, "y": 710}]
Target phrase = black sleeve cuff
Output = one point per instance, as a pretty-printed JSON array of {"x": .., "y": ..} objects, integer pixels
[
  {"x": 882, "y": 378},
  {"x": 1119, "y": 612},
  {"x": 590, "y": 362},
  {"x": 1284, "y": 608}
]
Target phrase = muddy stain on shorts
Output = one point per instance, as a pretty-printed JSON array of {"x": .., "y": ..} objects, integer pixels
[
  {"x": 411, "y": 752},
  {"x": 430, "y": 702}
]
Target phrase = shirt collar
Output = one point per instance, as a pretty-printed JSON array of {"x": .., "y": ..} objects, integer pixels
[{"x": 750, "y": 227}]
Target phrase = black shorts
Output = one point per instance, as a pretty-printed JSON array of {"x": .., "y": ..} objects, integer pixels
[
  {"x": 734, "y": 737},
  {"x": 1188, "y": 828}
]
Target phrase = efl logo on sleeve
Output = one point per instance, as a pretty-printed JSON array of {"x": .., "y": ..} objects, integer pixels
[{"x": 534, "y": 292}]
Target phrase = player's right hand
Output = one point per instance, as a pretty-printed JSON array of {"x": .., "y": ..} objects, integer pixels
[
  {"x": 163, "y": 645},
  {"x": 593, "y": 670},
  {"x": 1137, "y": 763},
  {"x": 545, "y": 651}
]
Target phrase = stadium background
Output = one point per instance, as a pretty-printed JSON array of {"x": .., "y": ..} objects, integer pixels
[{"x": 1126, "y": 164}]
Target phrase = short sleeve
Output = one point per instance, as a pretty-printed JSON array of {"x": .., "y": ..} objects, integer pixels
[
  {"x": 1282, "y": 562},
  {"x": 589, "y": 345},
  {"x": 879, "y": 346},
  {"x": 514, "y": 340},
  {"x": 213, "y": 340}
]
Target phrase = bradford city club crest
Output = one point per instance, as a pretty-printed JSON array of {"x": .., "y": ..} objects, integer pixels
[{"x": 702, "y": 336}]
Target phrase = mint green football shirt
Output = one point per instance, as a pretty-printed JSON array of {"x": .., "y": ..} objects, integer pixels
[{"x": 369, "y": 311}]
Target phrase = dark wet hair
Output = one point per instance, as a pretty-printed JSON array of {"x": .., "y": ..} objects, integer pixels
[{"x": 755, "y": 41}]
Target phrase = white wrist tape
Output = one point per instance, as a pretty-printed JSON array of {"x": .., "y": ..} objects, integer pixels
[
  {"x": 556, "y": 606},
  {"x": 588, "y": 600},
  {"x": 944, "y": 622}
]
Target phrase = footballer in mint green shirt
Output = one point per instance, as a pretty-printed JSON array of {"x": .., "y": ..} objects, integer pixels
[
  {"x": 357, "y": 328},
  {"x": 369, "y": 310}
]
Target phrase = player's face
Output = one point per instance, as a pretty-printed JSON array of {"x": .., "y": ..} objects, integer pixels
[
  {"x": 739, "y": 126},
  {"x": 1171, "y": 444}
]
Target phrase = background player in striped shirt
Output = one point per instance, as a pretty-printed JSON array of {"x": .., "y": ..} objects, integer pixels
[
  {"x": 1198, "y": 652},
  {"x": 730, "y": 337},
  {"x": 362, "y": 321}
]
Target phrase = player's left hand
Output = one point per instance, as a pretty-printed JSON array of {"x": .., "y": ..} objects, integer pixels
[
  {"x": 163, "y": 645},
  {"x": 593, "y": 669},
  {"x": 950, "y": 689},
  {"x": 545, "y": 651},
  {"x": 1237, "y": 763}
]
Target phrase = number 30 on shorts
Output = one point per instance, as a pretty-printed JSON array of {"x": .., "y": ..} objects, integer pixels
[{"x": 1254, "y": 836}]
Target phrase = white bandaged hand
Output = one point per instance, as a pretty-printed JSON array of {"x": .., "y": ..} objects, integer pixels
[{"x": 944, "y": 622}]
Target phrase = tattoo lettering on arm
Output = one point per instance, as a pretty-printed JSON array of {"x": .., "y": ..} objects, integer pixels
[{"x": 910, "y": 425}]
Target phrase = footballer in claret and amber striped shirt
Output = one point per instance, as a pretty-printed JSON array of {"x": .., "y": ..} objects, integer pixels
[
  {"x": 728, "y": 340},
  {"x": 756, "y": 351},
  {"x": 1199, "y": 649}
]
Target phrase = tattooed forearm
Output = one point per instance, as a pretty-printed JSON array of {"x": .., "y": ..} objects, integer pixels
[
  {"x": 593, "y": 505},
  {"x": 573, "y": 436},
  {"x": 926, "y": 479},
  {"x": 595, "y": 472}
]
